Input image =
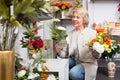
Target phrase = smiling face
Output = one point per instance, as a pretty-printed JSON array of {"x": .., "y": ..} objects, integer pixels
[
  {"x": 80, "y": 18},
  {"x": 77, "y": 20}
]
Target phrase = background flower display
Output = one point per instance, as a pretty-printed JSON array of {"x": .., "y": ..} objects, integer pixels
[
  {"x": 36, "y": 72},
  {"x": 103, "y": 43},
  {"x": 64, "y": 5}
]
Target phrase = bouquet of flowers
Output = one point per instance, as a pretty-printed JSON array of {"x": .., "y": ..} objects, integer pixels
[
  {"x": 31, "y": 40},
  {"x": 103, "y": 43},
  {"x": 64, "y": 5}
]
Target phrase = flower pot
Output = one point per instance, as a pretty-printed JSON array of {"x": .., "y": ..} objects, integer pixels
[
  {"x": 7, "y": 65},
  {"x": 111, "y": 69}
]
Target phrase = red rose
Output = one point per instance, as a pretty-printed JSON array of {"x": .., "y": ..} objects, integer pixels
[{"x": 38, "y": 44}]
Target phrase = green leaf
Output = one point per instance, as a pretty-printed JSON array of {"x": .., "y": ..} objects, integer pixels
[
  {"x": 15, "y": 22},
  {"x": 22, "y": 6},
  {"x": 4, "y": 10},
  {"x": 28, "y": 10}
]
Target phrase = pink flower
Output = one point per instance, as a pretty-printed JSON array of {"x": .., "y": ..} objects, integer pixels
[{"x": 35, "y": 31}]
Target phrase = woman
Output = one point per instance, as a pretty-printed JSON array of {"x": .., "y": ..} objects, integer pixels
[{"x": 82, "y": 60}]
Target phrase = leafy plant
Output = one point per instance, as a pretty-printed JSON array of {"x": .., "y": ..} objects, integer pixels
[{"x": 57, "y": 32}]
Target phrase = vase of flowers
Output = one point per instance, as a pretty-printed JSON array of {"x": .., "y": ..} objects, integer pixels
[
  {"x": 106, "y": 46},
  {"x": 63, "y": 6},
  {"x": 58, "y": 34},
  {"x": 111, "y": 66},
  {"x": 103, "y": 43},
  {"x": 32, "y": 41}
]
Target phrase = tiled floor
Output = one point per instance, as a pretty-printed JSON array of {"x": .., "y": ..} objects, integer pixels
[{"x": 102, "y": 71}]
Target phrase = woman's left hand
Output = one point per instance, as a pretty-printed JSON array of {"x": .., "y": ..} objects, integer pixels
[{"x": 95, "y": 53}]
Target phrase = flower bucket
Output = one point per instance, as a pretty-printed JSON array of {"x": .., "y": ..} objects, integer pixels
[{"x": 7, "y": 65}]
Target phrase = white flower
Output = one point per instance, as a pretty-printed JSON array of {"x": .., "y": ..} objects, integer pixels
[
  {"x": 32, "y": 75},
  {"x": 98, "y": 47},
  {"x": 51, "y": 77},
  {"x": 21, "y": 73},
  {"x": 61, "y": 28}
]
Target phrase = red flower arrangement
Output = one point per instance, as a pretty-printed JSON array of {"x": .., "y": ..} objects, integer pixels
[
  {"x": 31, "y": 40},
  {"x": 64, "y": 5}
]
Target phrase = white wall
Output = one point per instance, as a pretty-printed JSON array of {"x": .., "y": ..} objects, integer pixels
[{"x": 103, "y": 10}]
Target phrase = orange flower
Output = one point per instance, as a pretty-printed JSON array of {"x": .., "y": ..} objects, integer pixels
[
  {"x": 45, "y": 68},
  {"x": 100, "y": 30},
  {"x": 94, "y": 40},
  {"x": 107, "y": 40},
  {"x": 69, "y": 5},
  {"x": 44, "y": 76},
  {"x": 64, "y": 5}
]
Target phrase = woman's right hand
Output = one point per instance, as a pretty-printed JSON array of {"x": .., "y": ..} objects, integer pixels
[{"x": 57, "y": 48}]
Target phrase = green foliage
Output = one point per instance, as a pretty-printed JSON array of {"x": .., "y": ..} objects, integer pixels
[
  {"x": 56, "y": 33},
  {"x": 24, "y": 11},
  {"x": 111, "y": 54}
]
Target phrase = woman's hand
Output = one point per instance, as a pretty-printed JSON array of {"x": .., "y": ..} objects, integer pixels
[
  {"x": 57, "y": 48},
  {"x": 95, "y": 53}
]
